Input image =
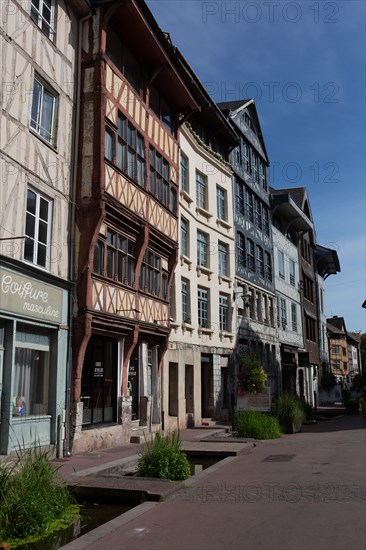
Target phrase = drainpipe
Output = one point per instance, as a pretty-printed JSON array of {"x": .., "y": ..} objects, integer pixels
[{"x": 72, "y": 297}]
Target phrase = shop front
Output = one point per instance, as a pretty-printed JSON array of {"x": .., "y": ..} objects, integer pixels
[{"x": 33, "y": 360}]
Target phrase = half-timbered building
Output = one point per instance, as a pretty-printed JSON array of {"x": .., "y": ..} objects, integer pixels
[
  {"x": 39, "y": 45},
  {"x": 133, "y": 98}
]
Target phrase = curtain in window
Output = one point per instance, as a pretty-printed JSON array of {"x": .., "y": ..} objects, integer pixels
[{"x": 30, "y": 382}]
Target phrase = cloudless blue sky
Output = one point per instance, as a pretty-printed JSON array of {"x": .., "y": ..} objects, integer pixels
[{"x": 304, "y": 64}]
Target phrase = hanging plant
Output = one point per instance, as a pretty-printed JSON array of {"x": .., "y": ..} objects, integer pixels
[{"x": 252, "y": 376}]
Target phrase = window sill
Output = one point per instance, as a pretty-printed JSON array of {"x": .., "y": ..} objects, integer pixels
[
  {"x": 223, "y": 223},
  {"x": 226, "y": 334},
  {"x": 225, "y": 279},
  {"x": 185, "y": 260},
  {"x": 31, "y": 417},
  {"x": 207, "y": 331},
  {"x": 205, "y": 213},
  {"x": 202, "y": 269},
  {"x": 47, "y": 143},
  {"x": 187, "y": 326},
  {"x": 186, "y": 196}
]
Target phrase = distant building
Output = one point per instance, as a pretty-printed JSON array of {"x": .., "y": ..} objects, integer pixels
[
  {"x": 354, "y": 358},
  {"x": 327, "y": 263},
  {"x": 289, "y": 222},
  {"x": 338, "y": 348}
]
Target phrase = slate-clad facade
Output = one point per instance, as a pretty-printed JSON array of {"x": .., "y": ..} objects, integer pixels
[{"x": 254, "y": 289}]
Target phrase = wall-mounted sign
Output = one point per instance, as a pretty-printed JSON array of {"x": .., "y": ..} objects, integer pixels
[{"x": 29, "y": 297}]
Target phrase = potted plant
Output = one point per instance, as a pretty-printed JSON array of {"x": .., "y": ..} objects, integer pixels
[{"x": 290, "y": 413}]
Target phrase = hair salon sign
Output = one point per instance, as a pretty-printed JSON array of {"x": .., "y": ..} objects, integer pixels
[{"x": 29, "y": 297}]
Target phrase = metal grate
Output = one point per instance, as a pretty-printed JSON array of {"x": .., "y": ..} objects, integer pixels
[{"x": 278, "y": 458}]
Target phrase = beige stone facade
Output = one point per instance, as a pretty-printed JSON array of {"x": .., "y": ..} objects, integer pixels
[{"x": 196, "y": 365}]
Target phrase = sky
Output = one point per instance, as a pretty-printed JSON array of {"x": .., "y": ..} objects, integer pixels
[{"x": 304, "y": 64}]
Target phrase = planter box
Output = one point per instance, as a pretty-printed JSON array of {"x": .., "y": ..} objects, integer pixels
[
  {"x": 291, "y": 427},
  {"x": 260, "y": 402}
]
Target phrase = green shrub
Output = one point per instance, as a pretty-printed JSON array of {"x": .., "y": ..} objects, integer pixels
[
  {"x": 288, "y": 407},
  {"x": 163, "y": 458},
  {"x": 33, "y": 502},
  {"x": 255, "y": 424}
]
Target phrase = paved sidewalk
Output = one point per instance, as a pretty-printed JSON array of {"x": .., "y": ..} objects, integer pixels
[{"x": 301, "y": 492}]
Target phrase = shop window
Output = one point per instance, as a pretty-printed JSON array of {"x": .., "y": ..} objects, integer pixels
[
  {"x": 99, "y": 381},
  {"x": 30, "y": 386}
]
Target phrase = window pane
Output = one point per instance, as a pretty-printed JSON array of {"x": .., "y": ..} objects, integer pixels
[
  {"x": 108, "y": 145},
  {"x": 43, "y": 209},
  {"x": 42, "y": 232},
  {"x": 28, "y": 250},
  {"x": 47, "y": 114},
  {"x": 41, "y": 255},
  {"x": 37, "y": 90},
  {"x": 30, "y": 225}
]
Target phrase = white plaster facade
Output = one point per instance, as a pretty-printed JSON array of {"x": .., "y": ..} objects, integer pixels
[
  {"x": 196, "y": 373},
  {"x": 287, "y": 288}
]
